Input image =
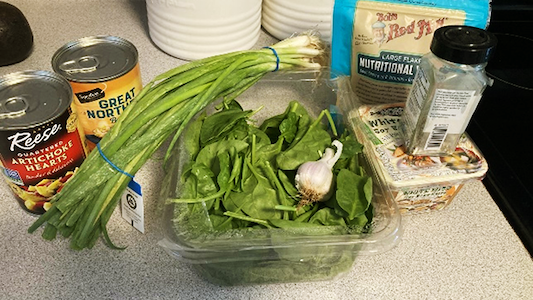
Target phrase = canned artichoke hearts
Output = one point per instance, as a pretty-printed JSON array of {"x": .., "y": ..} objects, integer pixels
[
  {"x": 105, "y": 77},
  {"x": 40, "y": 144}
]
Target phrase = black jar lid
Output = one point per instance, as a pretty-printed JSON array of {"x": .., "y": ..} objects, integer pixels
[{"x": 463, "y": 44}]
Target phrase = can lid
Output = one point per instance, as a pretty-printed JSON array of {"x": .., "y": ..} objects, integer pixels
[
  {"x": 463, "y": 44},
  {"x": 95, "y": 59},
  {"x": 32, "y": 98}
]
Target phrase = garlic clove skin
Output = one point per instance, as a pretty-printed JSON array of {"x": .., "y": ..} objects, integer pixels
[{"x": 314, "y": 179}]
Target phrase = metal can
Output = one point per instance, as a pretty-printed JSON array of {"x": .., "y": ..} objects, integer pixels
[
  {"x": 105, "y": 77},
  {"x": 40, "y": 144}
]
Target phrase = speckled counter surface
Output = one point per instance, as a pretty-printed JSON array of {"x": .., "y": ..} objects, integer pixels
[{"x": 467, "y": 251}]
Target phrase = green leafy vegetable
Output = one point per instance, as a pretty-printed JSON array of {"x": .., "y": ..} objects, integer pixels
[
  {"x": 354, "y": 193},
  {"x": 164, "y": 107},
  {"x": 260, "y": 189}
]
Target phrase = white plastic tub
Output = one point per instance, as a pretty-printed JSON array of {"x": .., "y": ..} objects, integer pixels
[{"x": 197, "y": 29}]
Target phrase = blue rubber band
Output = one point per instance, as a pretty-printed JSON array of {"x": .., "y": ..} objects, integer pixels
[
  {"x": 277, "y": 57},
  {"x": 111, "y": 163}
]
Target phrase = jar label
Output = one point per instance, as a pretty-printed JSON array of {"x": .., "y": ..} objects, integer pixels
[
  {"x": 416, "y": 100},
  {"x": 447, "y": 114}
]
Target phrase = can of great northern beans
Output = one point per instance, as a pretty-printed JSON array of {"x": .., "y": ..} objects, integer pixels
[
  {"x": 105, "y": 77},
  {"x": 40, "y": 144}
]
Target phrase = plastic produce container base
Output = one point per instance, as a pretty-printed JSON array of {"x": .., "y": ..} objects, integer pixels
[{"x": 260, "y": 255}]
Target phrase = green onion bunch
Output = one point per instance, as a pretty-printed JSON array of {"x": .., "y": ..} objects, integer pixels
[{"x": 81, "y": 210}]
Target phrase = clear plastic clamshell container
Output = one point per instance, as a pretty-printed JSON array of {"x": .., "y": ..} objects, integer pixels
[{"x": 257, "y": 254}]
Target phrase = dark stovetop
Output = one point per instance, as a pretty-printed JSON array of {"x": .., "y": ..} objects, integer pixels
[{"x": 502, "y": 124}]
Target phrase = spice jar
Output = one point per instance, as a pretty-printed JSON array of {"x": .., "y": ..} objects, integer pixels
[{"x": 446, "y": 90}]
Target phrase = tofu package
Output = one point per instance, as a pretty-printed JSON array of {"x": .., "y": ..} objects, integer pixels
[
  {"x": 379, "y": 43},
  {"x": 416, "y": 183}
]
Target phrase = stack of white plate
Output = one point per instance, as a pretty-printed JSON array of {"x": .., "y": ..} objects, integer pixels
[
  {"x": 283, "y": 18},
  {"x": 194, "y": 29}
]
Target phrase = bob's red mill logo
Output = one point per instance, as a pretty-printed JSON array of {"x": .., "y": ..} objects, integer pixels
[{"x": 386, "y": 28}]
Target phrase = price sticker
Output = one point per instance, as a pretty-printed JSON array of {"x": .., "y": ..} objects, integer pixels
[{"x": 132, "y": 206}]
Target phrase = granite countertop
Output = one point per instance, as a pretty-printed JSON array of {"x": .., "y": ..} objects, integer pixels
[{"x": 466, "y": 251}]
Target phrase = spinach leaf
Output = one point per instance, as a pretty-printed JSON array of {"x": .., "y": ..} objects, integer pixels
[
  {"x": 350, "y": 155},
  {"x": 272, "y": 125},
  {"x": 220, "y": 123},
  {"x": 303, "y": 126},
  {"x": 270, "y": 151},
  {"x": 257, "y": 199},
  {"x": 188, "y": 188},
  {"x": 236, "y": 169},
  {"x": 327, "y": 216},
  {"x": 350, "y": 147},
  {"x": 359, "y": 221},
  {"x": 204, "y": 178},
  {"x": 262, "y": 201},
  {"x": 205, "y": 184},
  {"x": 353, "y": 193},
  {"x": 231, "y": 200},
  {"x": 261, "y": 138},
  {"x": 307, "y": 149},
  {"x": 306, "y": 215},
  {"x": 288, "y": 185},
  {"x": 232, "y": 104},
  {"x": 307, "y": 145},
  {"x": 191, "y": 138},
  {"x": 289, "y": 127},
  {"x": 220, "y": 222},
  {"x": 208, "y": 153},
  {"x": 223, "y": 177}
]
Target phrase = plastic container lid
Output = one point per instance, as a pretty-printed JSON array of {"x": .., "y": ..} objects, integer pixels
[
  {"x": 463, "y": 44},
  {"x": 384, "y": 147}
]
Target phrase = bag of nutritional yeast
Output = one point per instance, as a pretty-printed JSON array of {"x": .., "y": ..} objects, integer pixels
[{"x": 379, "y": 43}]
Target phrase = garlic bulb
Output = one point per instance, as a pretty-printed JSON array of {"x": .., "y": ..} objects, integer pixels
[{"x": 314, "y": 179}]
